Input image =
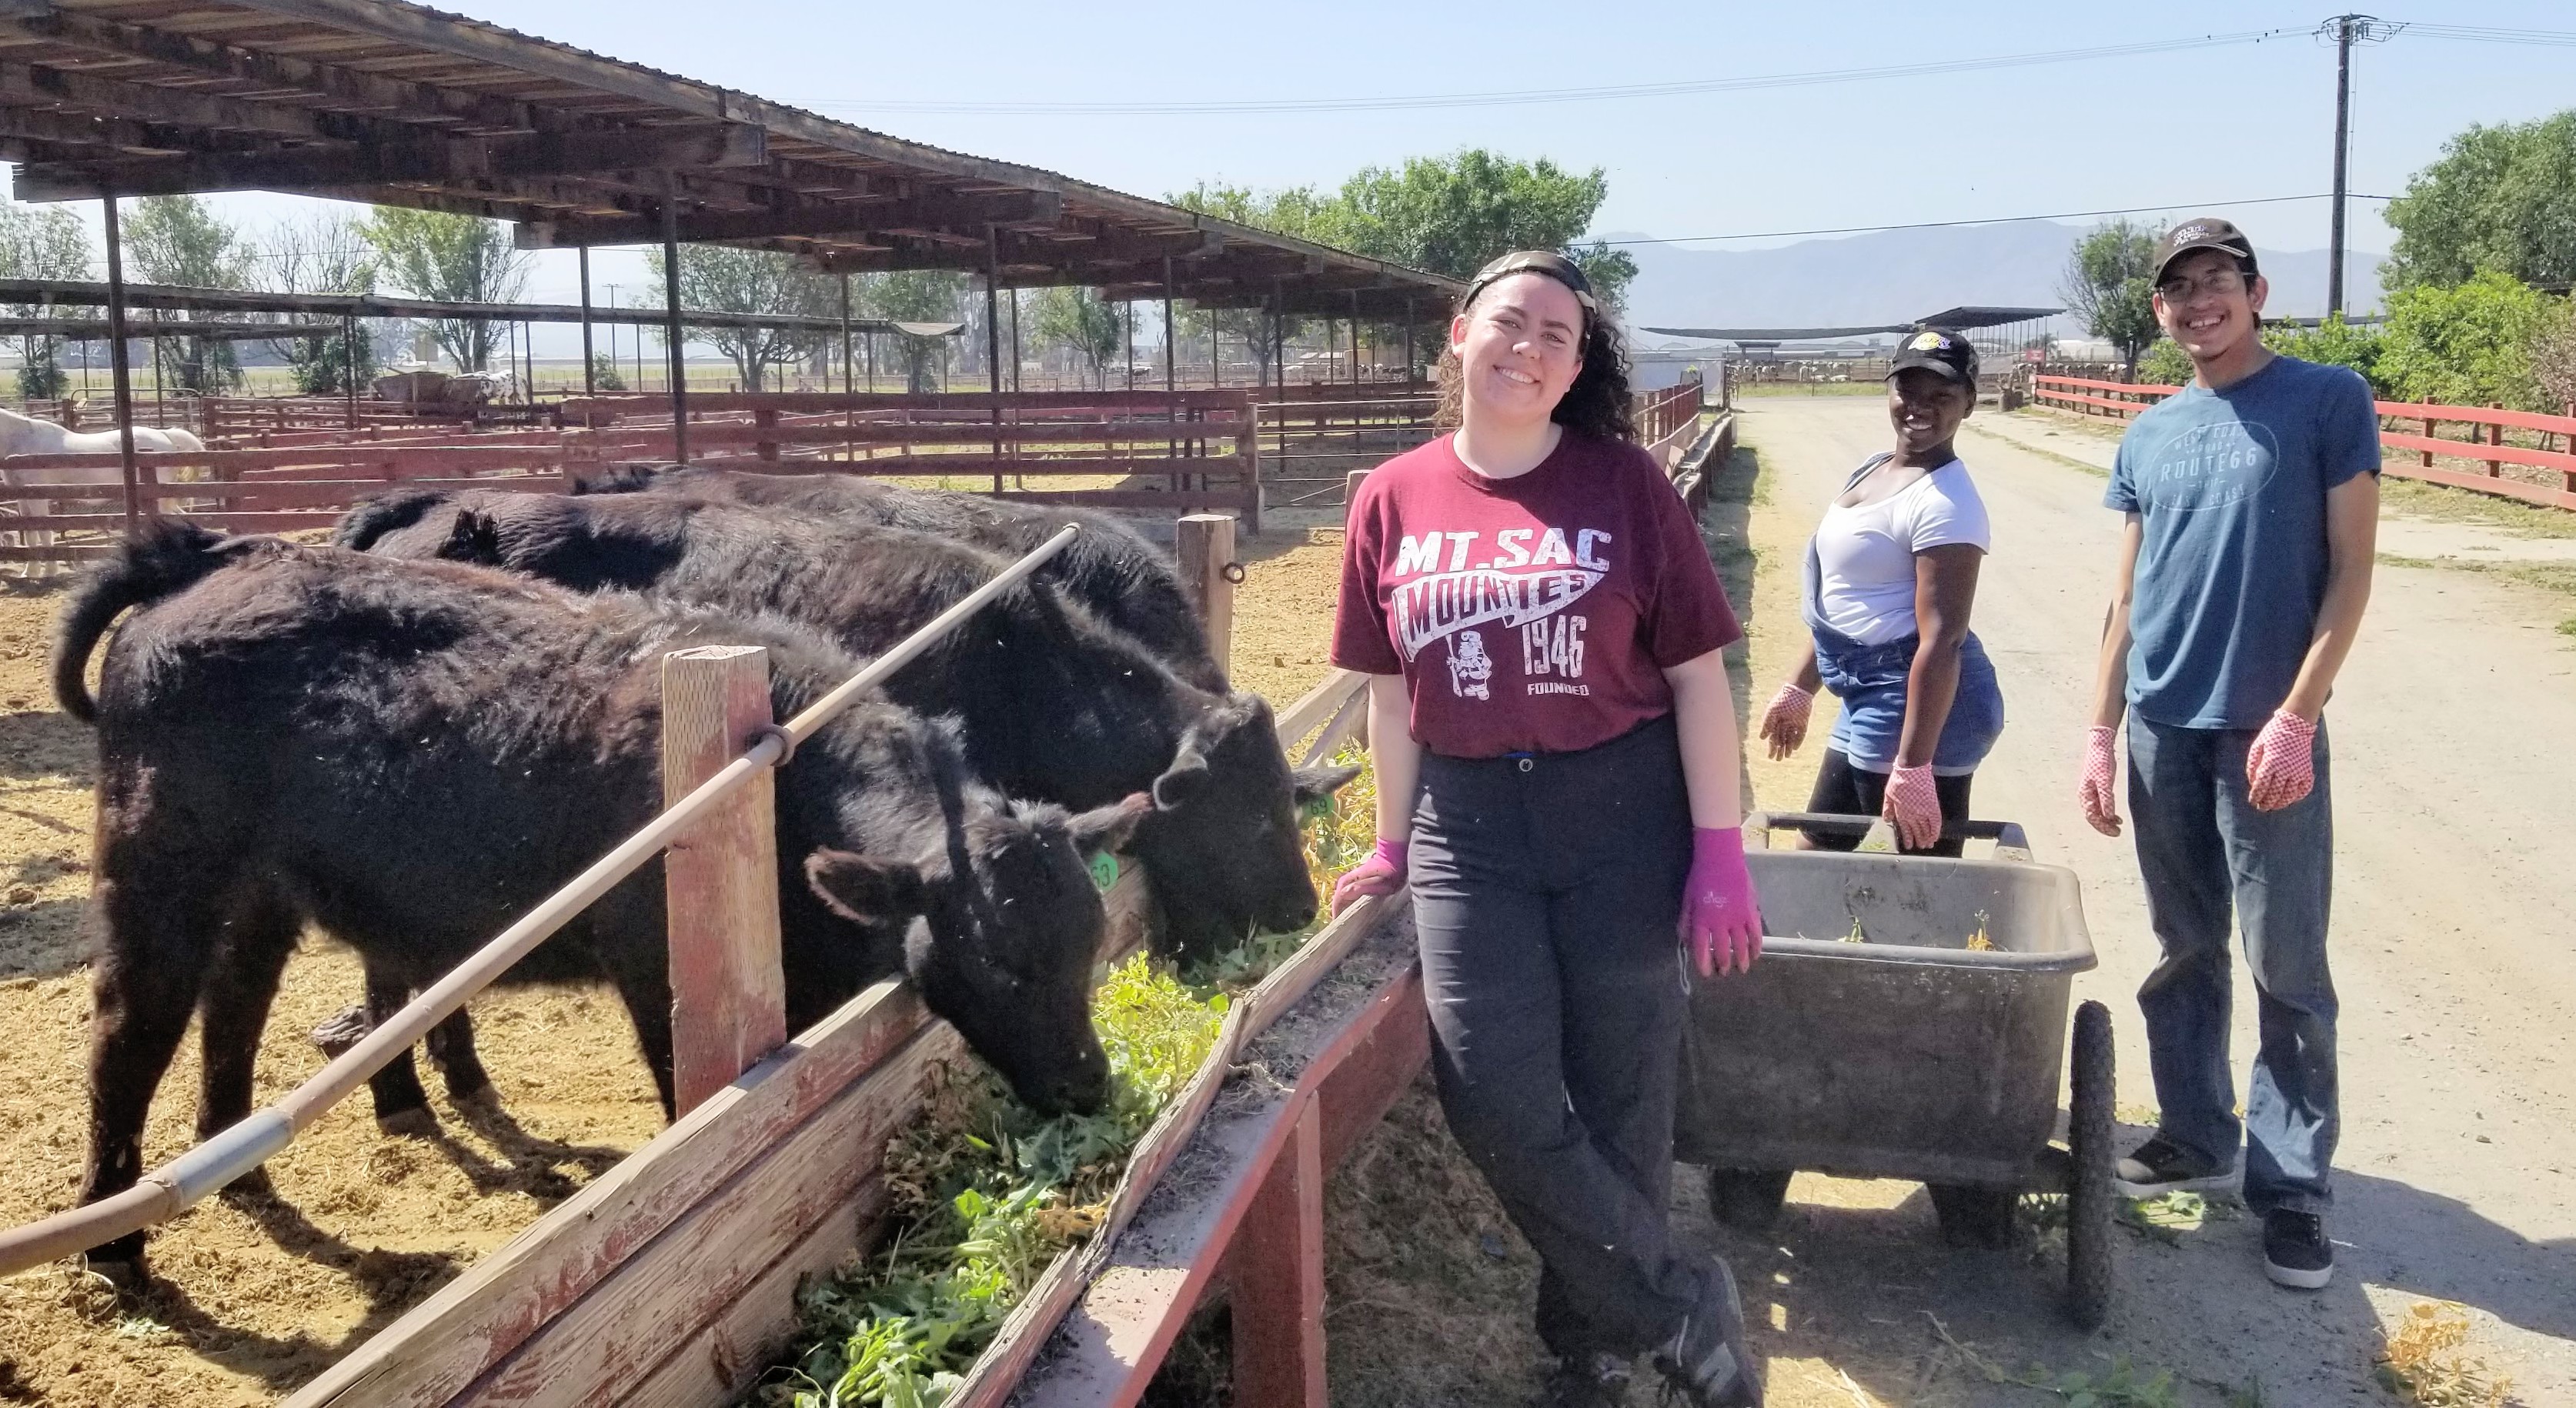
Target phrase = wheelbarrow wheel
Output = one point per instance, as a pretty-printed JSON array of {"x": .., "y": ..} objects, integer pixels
[
  {"x": 2089, "y": 1193},
  {"x": 1747, "y": 1199}
]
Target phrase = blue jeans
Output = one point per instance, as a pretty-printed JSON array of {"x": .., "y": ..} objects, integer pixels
[
  {"x": 1871, "y": 681},
  {"x": 2201, "y": 846}
]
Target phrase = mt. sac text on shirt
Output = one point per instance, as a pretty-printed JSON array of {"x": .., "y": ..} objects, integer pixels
[{"x": 1519, "y": 583}]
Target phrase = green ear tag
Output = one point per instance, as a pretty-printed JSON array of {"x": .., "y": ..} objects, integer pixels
[
  {"x": 1320, "y": 808},
  {"x": 1104, "y": 870}
]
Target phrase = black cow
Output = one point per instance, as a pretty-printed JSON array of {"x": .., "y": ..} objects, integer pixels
[
  {"x": 411, "y": 755},
  {"x": 1125, "y": 580},
  {"x": 1054, "y": 705}
]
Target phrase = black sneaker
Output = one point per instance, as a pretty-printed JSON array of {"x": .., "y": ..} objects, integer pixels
[
  {"x": 1588, "y": 1381},
  {"x": 2296, "y": 1253},
  {"x": 1705, "y": 1364},
  {"x": 2161, "y": 1166}
]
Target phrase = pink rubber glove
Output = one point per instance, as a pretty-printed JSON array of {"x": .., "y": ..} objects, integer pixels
[
  {"x": 1913, "y": 807},
  {"x": 1381, "y": 874},
  {"x": 1784, "y": 724},
  {"x": 2281, "y": 767},
  {"x": 2101, "y": 770},
  {"x": 1721, "y": 916}
]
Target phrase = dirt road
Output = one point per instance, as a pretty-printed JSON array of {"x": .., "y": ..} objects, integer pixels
[{"x": 2454, "y": 954}]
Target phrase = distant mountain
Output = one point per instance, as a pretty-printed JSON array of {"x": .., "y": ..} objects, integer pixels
[{"x": 1892, "y": 276}]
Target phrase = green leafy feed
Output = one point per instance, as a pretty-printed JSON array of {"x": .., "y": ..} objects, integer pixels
[{"x": 986, "y": 1194}]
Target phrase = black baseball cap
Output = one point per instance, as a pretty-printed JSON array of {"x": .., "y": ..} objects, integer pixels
[
  {"x": 2198, "y": 233},
  {"x": 1935, "y": 350},
  {"x": 1536, "y": 261}
]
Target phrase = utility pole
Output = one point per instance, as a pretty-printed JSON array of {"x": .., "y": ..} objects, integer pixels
[{"x": 2346, "y": 30}]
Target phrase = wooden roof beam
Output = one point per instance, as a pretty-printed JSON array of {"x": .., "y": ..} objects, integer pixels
[
  {"x": 395, "y": 98},
  {"x": 35, "y": 85},
  {"x": 926, "y": 214},
  {"x": 427, "y": 161}
]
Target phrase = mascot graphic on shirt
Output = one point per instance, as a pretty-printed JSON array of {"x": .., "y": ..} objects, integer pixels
[
  {"x": 1523, "y": 583},
  {"x": 1470, "y": 669}
]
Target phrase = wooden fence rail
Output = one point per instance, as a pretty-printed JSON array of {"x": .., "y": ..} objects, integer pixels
[{"x": 2487, "y": 444}]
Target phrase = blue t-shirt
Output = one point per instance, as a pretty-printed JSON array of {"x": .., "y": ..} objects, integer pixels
[{"x": 2230, "y": 487}]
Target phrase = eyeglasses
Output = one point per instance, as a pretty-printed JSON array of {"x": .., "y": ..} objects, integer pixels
[{"x": 2217, "y": 281}]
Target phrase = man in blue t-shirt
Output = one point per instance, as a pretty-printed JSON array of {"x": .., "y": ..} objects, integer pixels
[{"x": 2251, "y": 501}]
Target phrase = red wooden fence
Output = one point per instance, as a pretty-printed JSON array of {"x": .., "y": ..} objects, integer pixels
[{"x": 2487, "y": 425}]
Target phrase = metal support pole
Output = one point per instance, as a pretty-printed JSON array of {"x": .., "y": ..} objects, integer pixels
[
  {"x": 2343, "y": 142},
  {"x": 1015, "y": 341},
  {"x": 1172, "y": 445},
  {"x": 671, "y": 318},
  {"x": 349, "y": 364},
  {"x": 1129, "y": 328},
  {"x": 589, "y": 376},
  {"x": 1355, "y": 337},
  {"x": 117, "y": 363},
  {"x": 849, "y": 368},
  {"x": 993, "y": 338},
  {"x": 1408, "y": 344}
]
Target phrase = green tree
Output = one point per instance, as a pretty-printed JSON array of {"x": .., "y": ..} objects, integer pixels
[
  {"x": 2551, "y": 350},
  {"x": 2501, "y": 198},
  {"x": 325, "y": 254},
  {"x": 721, "y": 279},
  {"x": 458, "y": 258},
  {"x": 2333, "y": 342},
  {"x": 2164, "y": 365},
  {"x": 42, "y": 242},
  {"x": 1076, "y": 318},
  {"x": 2109, "y": 284},
  {"x": 603, "y": 372},
  {"x": 180, "y": 240},
  {"x": 2464, "y": 346},
  {"x": 915, "y": 296},
  {"x": 1450, "y": 215}
]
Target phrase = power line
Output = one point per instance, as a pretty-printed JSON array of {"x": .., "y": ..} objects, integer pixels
[
  {"x": 1811, "y": 78},
  {"x": 2477, "y": 34},
  {"x": 1988, "y": 220}
]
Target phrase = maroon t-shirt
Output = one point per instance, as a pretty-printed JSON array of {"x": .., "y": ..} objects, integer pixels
[{"x": 1527, "y": 615}]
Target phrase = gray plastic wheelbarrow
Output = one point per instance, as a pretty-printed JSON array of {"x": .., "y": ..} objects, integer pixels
[{"x": 1873, "y": 1041}]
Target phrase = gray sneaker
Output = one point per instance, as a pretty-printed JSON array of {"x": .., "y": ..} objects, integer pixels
[
  {"x": 1588, "y": 1381},
  {"x": 1705, "y": 1364},
  {"x": 2161, "y": 1166}
]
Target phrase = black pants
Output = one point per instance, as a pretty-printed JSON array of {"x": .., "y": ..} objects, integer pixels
[
  {"x": 1845, "y": 790},
  {"x": 1546, "y": 890}
]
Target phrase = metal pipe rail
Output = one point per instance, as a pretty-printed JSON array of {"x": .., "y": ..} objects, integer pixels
[{"x": 176, "y": 1186}]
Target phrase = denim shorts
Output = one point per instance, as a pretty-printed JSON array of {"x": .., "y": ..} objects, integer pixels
[{"x": 1870, "y": 681}]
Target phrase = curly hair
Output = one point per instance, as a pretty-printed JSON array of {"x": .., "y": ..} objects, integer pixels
[{"x": 1597, "y": 404}]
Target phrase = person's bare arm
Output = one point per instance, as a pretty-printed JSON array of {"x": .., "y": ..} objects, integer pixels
[
  {"x": 1712, "y": 756},
  {"x": 2352, "y": 544},
  {"x": 1945, "y": 588},
  {"x": 1394, "y": 755},
  {"x": 2111, "y": 671}
]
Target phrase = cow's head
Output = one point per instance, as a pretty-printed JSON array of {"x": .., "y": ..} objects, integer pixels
[
  {"x": 1222, "y": 849},
  {"x": 1010, "y": 931}
]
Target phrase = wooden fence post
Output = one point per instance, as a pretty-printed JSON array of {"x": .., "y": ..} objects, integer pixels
[
  {"x": 1278, "y": 1272},
  {"x": 2495, "y": 436},
  {"x": 2431, "y": 432},
  {"x": 728, "y": 995},
  {"x": 1351, "y": 494},
  {"x": 766, "y": 418},
  {"x": 1204, "y": 545},
  {"x": 1247, "y": 450}
]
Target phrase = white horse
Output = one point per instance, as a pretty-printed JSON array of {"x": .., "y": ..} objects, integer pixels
[{"x": 24, "y": 435}]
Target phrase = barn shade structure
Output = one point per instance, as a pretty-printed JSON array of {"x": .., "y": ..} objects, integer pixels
[{"x": 399, "y": 104}]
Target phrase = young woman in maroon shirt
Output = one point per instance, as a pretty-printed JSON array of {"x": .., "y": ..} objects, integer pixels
[{"x": 1557, "y": 771}]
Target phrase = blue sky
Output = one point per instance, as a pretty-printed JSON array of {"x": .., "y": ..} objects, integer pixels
[{"x": 2199, "y": 127}]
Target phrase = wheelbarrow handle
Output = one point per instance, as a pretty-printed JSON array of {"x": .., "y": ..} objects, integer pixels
[{"x": 2011, "y": 843}]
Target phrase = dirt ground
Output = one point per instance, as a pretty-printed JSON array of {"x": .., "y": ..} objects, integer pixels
[{"x": 256, "y": 1294}]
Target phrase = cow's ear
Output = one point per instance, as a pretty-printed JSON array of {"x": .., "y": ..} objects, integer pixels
[
  {"x": 1317, "y": 781},
  {"x": 1109, "y": 828},
  {"x": 864, "y": 889},
  {"x": 1186, "y": 778},
  {"x": 474, "y": 537}
]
